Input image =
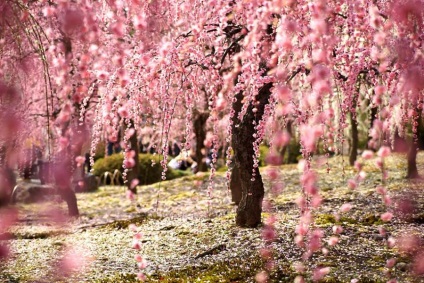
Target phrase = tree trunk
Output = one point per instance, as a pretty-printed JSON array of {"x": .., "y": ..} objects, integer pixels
[
  {"x": 412, "y": 161},
  {"x": 133, "y": 172},
  {"x": 63, "y": 180},
  {"x": 68, "y": 195},
  {"x": 374, "y": 112},
  {"x": 235, "y": 186},
  {"x": 353, "y": 154},
  {"x": 286, "y": 147},
  {"x": 412, "y": 172},
  {"x": 199, "y": 125},
  {"x": 252, "y": 188}
]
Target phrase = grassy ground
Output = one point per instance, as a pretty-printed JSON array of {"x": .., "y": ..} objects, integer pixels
[{"x": 189, "y": 238}]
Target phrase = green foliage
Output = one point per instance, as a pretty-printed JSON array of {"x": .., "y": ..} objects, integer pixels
[
  {"x": 263, "y": 150},
  {"x": 100, "y": 150},
  {"x": 150, "y": 170},
  {"x": 291, "y": 155}
]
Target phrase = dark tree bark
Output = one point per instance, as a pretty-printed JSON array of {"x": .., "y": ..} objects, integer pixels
[
  {"x": 133, "y": 172},
  {"x": 415, "y": 145},
  {"x": 235, "y": 186},
  {"x": 252, "y": 190},
  {"x": 374, "y": 112},
  {"x": 412, "y": 171},
  {"x": 199, "y": 125},
  {"x": 286, "y": 147},
  {"x": 63, "y": 180},
  {"x": 353, "y": 154}
]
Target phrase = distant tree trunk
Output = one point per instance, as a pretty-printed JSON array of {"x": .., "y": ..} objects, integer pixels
[
  {"x": 133, "y": 172},
  {"x": 63, "y": 180},
  {"x": 284, "y": 149},
  {"x": 412, "y": 171},
  {"x": 252, "y": 190},
  {"x": 374, "y": 112},
  {"x": 353, "y": 154},
  {"x": 199, "y": 125}
]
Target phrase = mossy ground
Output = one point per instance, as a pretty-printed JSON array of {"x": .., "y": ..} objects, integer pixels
[{"x": 180, "y": 224}]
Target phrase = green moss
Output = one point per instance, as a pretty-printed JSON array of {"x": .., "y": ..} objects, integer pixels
[
  {"x": 118, "y": 278},
  {"x": 123, "y": 224},
  {"x": 330, "y": 219},
  {"x": 31, "y": 235},
  {"x": 233, "y": 270},
  {"x": 371, "y": 219},
  {"x": 263, "y": 150}
]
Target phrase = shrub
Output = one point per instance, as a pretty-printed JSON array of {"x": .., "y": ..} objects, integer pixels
[
  {"x": 149, "y": 172},
  {"x": 263, "y": 150}
]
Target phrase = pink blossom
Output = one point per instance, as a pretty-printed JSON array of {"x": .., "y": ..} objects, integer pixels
[
  {"x": 273, "y": 173},
  {"x": 387, "y": 200},
  {"x": 301, "y": 229},
  {"x": 123, "y": 112},
  {"x": 298, "y": 239},
  {"x": 130, "y": 195},
  {"x": 281, "y": 138},
  {"x": 325, "y": 251},
  {"x": 357, "y": 166},
  {"x": 367, "y": 154},
  {"x": 134, "y": 183},
  {"x": 261, "y": 277},
  {"x": 362, "y": 175},
  {"x": 390, "y": 263},
  {"x": 346, "y": 207},
  {"x": 391, "y": 242},
  {"x": 221, "y": 103},
  {"x": 265, "y": 253},
  {"x": 136, "y": 244},
  {"x": 337, "y": 229},
  {"x": 133, "y": 227},
  {"x": 379, "y": 90},
  {"x": 333, "y": 241},
  {"x": 384, "y": 151},
  {"x": 381, "y": 190},
  {"x": 268, "y": 233},
  {"x": 299, "y": 279},
  {"x": 351, "y": 183},
  {"x": 386, "y": 217},
  {"x": 141, "y": 276},
  {"x": 142, "y": 264},
  {"x": 80, "y": 160},
  {"x": 316, "y": 201},
  {"x": 299, "y": 267},
  {"x": 407, "y": 243},
  {"x": 4, "y": 251},
  {"x": 129, "y": 163},
  {"x": 319, "y": 273},
  {"x": 274, "y": 158},
  {"x": 283, "y": 93},
  {"x": 382, "y": 231},
  {"x": 315, "y": 240},
  {"x": 418, "y": 264},
  {"x": 72, "y": 20}
]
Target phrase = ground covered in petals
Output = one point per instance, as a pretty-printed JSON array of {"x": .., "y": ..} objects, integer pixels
[{"x": 187, "y": 237}]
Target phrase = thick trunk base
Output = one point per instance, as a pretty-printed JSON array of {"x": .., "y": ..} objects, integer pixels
[{"x": 235, "y": 186}]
